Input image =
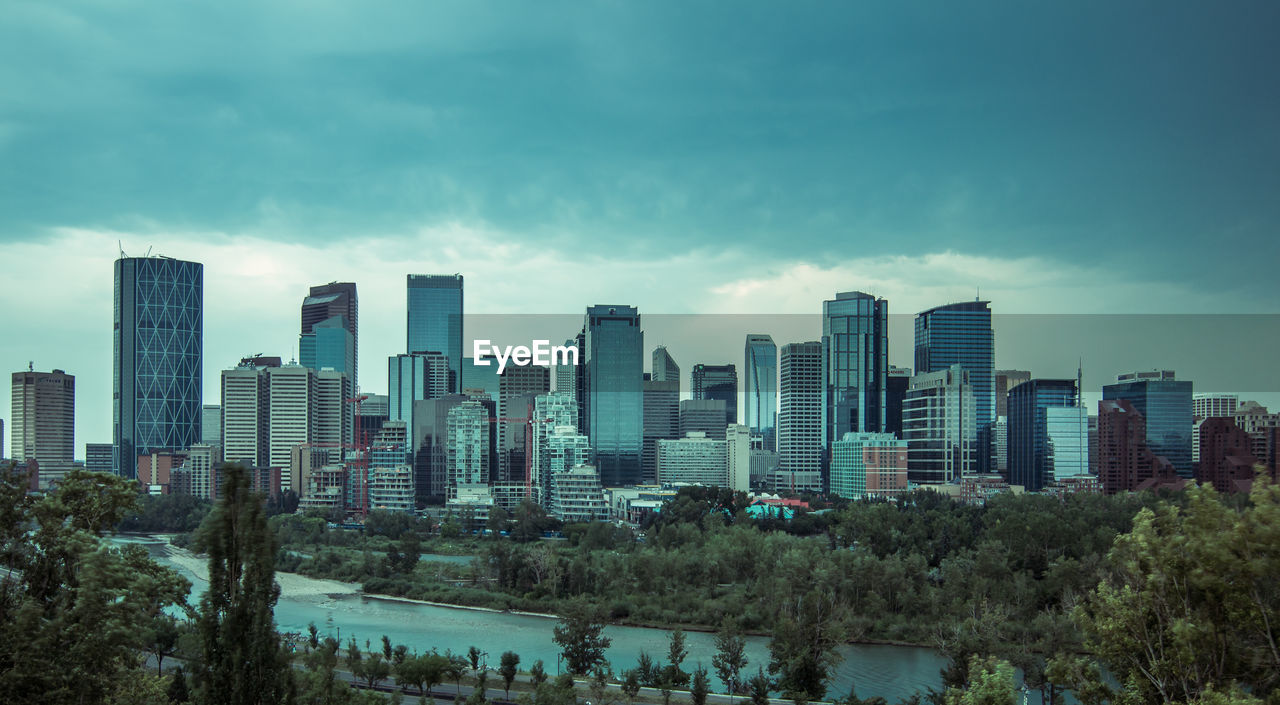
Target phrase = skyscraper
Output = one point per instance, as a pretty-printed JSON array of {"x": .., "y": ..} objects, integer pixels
[
  {"x": 896, "y": 384},
  {"x": 665, "y": 368},
  {"x": 761, "y": 383},
  {"x": 613, "y": 398},
  {"x": 717, "y": 382},
  {"x": 158, "y": 358},
  {"x": 939, "y": 426},
  {"x": 661, "y": 421},
  {"x": 855, "y": 353},
  {"x": 246, "y": 412},
  {"x": 1048, "y": 433},
  {"x": 706, "y": 416},
  {"x": 412, "y": 377},
  {"x": 435, "y": 319},
  {"x": 44, "y": 422},
  {"x": 517, "y": 387},
  {"x": 961, "y": 334},
  {"x": 211, "y": 425},
  {"x": 800, "y": 418},
  {"x": 1165, "y": 403},
  {"x": 1124, "y": 460},
  {"x": 1006, "y": 380},
  {"x": 330, "y": 334},
  {"x": 469, "y": 448}
]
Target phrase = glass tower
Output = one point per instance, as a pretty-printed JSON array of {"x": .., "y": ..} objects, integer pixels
[
  {"x": 613, "y": 354},
  {"x": 717, "y": 382},
  {"x": 1048, "y": 432},
  {"x": 158, "y": 358},
  {"x": 435, "y": 319},
  {"x": 1165, "y": 403},
  {"x": 761, "y": 372},
  {"x": 330, "y": 335},
  {"x": 855, "y": 351},
  {"x": 961, "y": 334}
]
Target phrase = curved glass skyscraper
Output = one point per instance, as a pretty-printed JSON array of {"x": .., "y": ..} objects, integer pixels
[
  {"x": 158, "y": 358},
  {"x": 761, "y": 372}
]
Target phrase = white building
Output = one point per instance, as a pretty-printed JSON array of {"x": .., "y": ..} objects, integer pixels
[
  {"x": 468, "y": 446},
  {"x": 697, "y": 459},
  {"x": 391, "y": 488},
  {"x": 561, "y": 450},
  {"x": 939, "y": 424},
  {"x": 576, "y": 495},
  {"x": 800, "y": 418}
]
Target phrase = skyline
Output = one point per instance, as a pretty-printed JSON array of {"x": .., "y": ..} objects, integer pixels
[{"x": 1089, "y": 159}]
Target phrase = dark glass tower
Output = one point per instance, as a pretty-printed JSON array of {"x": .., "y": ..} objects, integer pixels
[
  {"x": 665, "y": 368},
  {"x": 1165, "y": 403},
  {"x": 961, "y": 334},
  {"x": 613, "y": 359},
  {"x": 330, "y": 334},
  {"x": 158, "y": 358},
  {"x": 1047, "y": 433},
  {"x": 717, "y": 382},
  {"x": 761, "y": 399},
  {"x": 855, "y": 352},
  {"x": 435, "y": 319}
]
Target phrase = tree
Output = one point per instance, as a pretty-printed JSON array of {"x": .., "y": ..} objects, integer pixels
[
  {"x": 538, "y": 674},
  {"x": 162, "y": 639},
  {"x": 454, "y": 668},
  {"x": 991, "y": 684},
  {"x": 386, "y": 647},
  {"x": 242, "y": 659},
  {"x": 580, "y": 635},
  {"x": 178, "y": 687},
  {"x": 647, "y": 671},
  {"x": 630, "y": 685},
  {"x": 759, "y": 687},
  {"x": 508, "y": 668},
  {"x": 372, "y": 670},
  {"x": 1192, "y": 605},
  {"x": 75, "y": 612},
  {"x": 803, "y": 648},
  {"x": 473, "y": 657},
  {"x": 676, "y": 653},
  {"x": 730, "y": 657},
  {"x": 598, "y": 686},
  {"x": 701, "y": 686}
]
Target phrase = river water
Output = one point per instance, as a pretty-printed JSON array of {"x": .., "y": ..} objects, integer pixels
[{"x": 891, "y": 672}]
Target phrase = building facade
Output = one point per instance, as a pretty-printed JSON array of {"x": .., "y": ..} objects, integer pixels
[
  {"x": 717, "y": 382},
  {"x": 868, "y": 465},
  {"x": 855, "y": 353},
  {"x": 760, "y": 372},
  {"x": 158, "y": 358},
  {"x": 800, "y": 417},
  {"x": 1165, "y": 403},
  {"x": 1124, "y": 460},
  {"x": 939, "y": 424},
  {"x": 613, "y": 398},
  {"x": 434, "y": 310},
  {"x": 1048, "y": 433},
  {"x": 43, "y": 422},
  {"x": 661, "y": 421},
  {"x": 961, "y": 334}
]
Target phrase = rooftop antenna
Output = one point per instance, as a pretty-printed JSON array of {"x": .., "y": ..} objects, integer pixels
[
  {"x": 31, "y": 365},
  {"x": 978, "y": 295}
]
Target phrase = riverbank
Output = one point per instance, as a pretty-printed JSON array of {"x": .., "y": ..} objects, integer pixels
[{"x": 291, "y": 584}]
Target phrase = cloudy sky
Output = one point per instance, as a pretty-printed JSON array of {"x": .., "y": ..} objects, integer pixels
[{"x": 684, "y": 157}]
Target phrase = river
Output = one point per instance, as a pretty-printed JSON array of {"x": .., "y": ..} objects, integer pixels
[{"x": 891, "y": 672}]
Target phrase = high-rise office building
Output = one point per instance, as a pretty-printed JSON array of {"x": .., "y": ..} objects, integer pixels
[
  {"x": 708, "y": 416},
  {"x": 435, "y": 320},
  {"x": 1227, "y": 460},
  {"x": 800, "y": 417},
  {"x": 44, "y": 422},
  {"x": 291, "y": 392},
  {"x": 961, "y": 334},
  {"x": 1123, "y": 458},
  {"x": 246, "y": 412},
  {"x": 940, "y": 427},
  {"x": 517, "y": 387},
  {"x": 1004, "y": 381},
  {"x": 158, "y": 358},
  {"x": 97, "y": 457},
  {"x": 1207, "y": 406},
  {"x": 868, "y": 465},
  {"x": 855, "y": 352},
  {"x": 665, "y": 368},
  {"x": 613, "y": 398},
  {"x": 661, "y": 421},
  {"x": 896, "y": 383},
  {"x": 330, "y": 334},
  {"x": 1048, "y": 433},
  {"x": 412, "y": 377},
  {"x": 761, "y": 384},
  {"x": 1165, "y": 403},
  {"x": 717, "y": 382},
  {"x": 429, "y": 442},
  {"x": 483, "y": 377},
  {"x": 211, "y": 425}
]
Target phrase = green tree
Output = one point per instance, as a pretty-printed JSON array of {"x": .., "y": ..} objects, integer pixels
[
  {"x": 759, "y": 687},
  {"x": 508, "y": 669},
  {"x": 701, "y": 686},
  {"x": 676, "y": 653},
  {"x": 538, "y": 673},
  {"x": 473, "y": 657},
  {"x": 1192, "y": 605},
  {"x": 803, "y": 648},
  {"x": 372, "y": 670},
  {"x": 580, "y": 635},
  {"x": 242, "y": 660},
  {"x": 991, "y": 684},
  {"x": 178, "y": 692},
  {"x": 162, "y": 639},
  {"x": 730, "y": 657},
  {"x": 630, "y": 685},
  {"x": 454, "y": 668}
]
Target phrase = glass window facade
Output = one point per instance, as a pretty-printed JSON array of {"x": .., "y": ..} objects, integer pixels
[
  {"x": 1166, "y": 406},
  {"x": 855, "y": 343},
  {"x": 1048, "y": 433},
  {"x": 717, "y": 382},
  {"x": 614, "y": 394},
  {"x": 961, "y": 334},
  {"x": 761, "y": 399},
  {"x": 158, "y": 355},
  {"x": 435, "y": 319}
]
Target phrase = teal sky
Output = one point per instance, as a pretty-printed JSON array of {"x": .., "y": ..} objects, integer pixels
[{"x": 1079, "y": 157}]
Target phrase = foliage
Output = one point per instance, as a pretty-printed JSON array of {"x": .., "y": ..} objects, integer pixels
[
  {"x": 241, "y": 659},
  {"x": 802, "y": 651},
  {"x": 508, "y": 668},
  {"x": 991, "y": 684},
  {"x": 580, "y": 635},
  {"x": 76, "y": 612},
  {"x": 730, "y": 657},
  {"x": 701, "y": 686}
]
